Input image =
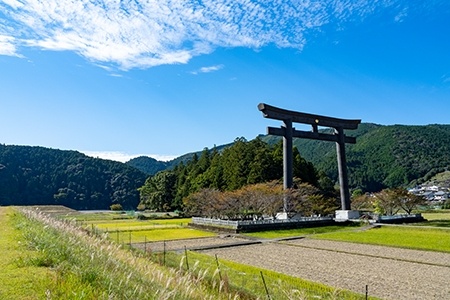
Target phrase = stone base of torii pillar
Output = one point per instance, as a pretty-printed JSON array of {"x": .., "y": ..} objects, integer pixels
[{"x": 345, "y": 215}]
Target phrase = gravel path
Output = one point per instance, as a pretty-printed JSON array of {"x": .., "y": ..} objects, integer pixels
[
  {"x": 390, "y": 273},
  {"x": 192, "y": 244},
  {"x": 424, "y": 257}
]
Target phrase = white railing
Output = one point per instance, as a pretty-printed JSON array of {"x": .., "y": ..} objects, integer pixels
[
  {"x": 402, "y": 216},
  {"x": 219, "y": 222},
  {"x": 236, "y": 224}
]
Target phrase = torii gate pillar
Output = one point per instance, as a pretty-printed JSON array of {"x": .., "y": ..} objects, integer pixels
[
  {"x": 288, "y": 160},
  {"x": 288, "y": 132},
  {"x": 342, "y": 169}
]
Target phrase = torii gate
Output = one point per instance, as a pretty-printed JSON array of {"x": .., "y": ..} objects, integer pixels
[{"x": 288, "y": 132}]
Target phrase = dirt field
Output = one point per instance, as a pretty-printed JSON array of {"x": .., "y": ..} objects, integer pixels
[
  {"x": 390, "y": 273},
  {"x": 191, "y": 244}
]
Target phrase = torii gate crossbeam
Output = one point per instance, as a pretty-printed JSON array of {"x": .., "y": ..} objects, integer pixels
[{"x": 288, "y": 132}]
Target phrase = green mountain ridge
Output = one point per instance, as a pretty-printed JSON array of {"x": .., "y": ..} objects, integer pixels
[
  {"x": 383, "y": 156},
  {"x": 42, "y": 176},
  {"x": 151, "y": 166}
]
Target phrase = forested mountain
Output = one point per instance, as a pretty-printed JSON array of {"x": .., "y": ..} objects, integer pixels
[
  {"x": 37, "y": 175},
  {"x": 242, "y": 163},
  {"x": 383, "y": 156},
  {"x": 148, "y": 165},
  {"x": 152, "y": 166}
]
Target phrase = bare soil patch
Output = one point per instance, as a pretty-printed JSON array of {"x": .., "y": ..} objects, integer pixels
[
  {"x": 390, "y": 273},
  {"x": 192, "y": 244}
]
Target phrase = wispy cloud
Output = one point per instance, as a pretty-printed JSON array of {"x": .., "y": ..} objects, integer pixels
[
  {"x": 446, "y": 78},
  {"x": 142, "y": 34},
  {"x": 7, "y": 46},
  {"x": 208, "y": 69},
  {"x": 124, "y": 157},
  {"x": 400, "y": 17}
]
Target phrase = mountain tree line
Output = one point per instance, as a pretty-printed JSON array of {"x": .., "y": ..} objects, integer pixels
[
  {"x": 43, "y": 176},
  {"x": 383, "y": 156},
  {"x": 243, "y": 163}
]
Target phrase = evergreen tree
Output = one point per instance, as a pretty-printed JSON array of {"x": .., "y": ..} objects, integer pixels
[{"x": 158, "y": 192}]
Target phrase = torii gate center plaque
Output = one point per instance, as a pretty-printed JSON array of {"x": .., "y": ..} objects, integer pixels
[{"x": 288, "y": 133}]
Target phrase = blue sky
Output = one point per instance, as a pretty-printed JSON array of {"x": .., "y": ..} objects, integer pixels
[{"x": 117, "y": 79}]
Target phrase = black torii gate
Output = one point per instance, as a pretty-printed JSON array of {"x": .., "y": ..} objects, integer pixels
[{"x": 288, "y": 132}]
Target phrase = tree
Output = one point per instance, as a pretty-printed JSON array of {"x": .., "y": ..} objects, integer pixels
[
  {"x": 326, "y": 186},
  {"x": 116, "y": 207},
  {"x": 303, "y": 169},
  {"x": 385, "y": 203},
  {"x": 214, "y": 174},
  {"x": 260, "y": 166},
  {"x": 158, "y": 192},
  {"x": 361, "y": 200},
  {"x": 236, "y": 160},
  {"x": 321, "y": 205},
  {"x": 391, "y": 201},
  {"x": 203, "y": 203},
  {"x": 264, "y": 198},
  {"x": 407, "y": 201},
  {"x": 308, "y": 200}
]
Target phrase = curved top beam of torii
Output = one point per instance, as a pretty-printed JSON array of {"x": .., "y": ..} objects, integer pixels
[{"x": 276, "y": 113}]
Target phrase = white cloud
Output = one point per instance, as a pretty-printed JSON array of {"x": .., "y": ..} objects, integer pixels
[
  {"x": 7, "y": 46},
  {"x": 142, "y": 34},
  {"x": 124, "y": 157},
  {"x": 208, "y": 69}
]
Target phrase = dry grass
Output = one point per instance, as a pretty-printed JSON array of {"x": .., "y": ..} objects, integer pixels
[{"x": 91, "y": 267}]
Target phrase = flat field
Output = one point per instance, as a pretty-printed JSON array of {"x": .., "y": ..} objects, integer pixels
[
  {"x": 431, "y": 239},
  {"x": 133, "y": 224},
  {"x": 436, "y": 219},
  {"x": 441, "y": 215},
  {"x": 134, "y": 231}
]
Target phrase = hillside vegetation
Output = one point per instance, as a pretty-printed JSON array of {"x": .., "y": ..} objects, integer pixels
[
  {"x": 242, "y": 163},
  {"x": 148, "y": 165},
  {"x": 37, "y": 175},
  {"x": 383, "y": 156},
  {"x": 152, "y": 166}
]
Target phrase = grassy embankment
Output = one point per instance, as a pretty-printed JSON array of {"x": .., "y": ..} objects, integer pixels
[
  {"x": 75, "y": 265},
  {"x": 57, "y": 260},
  {"x": 19, "y": 280}
]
